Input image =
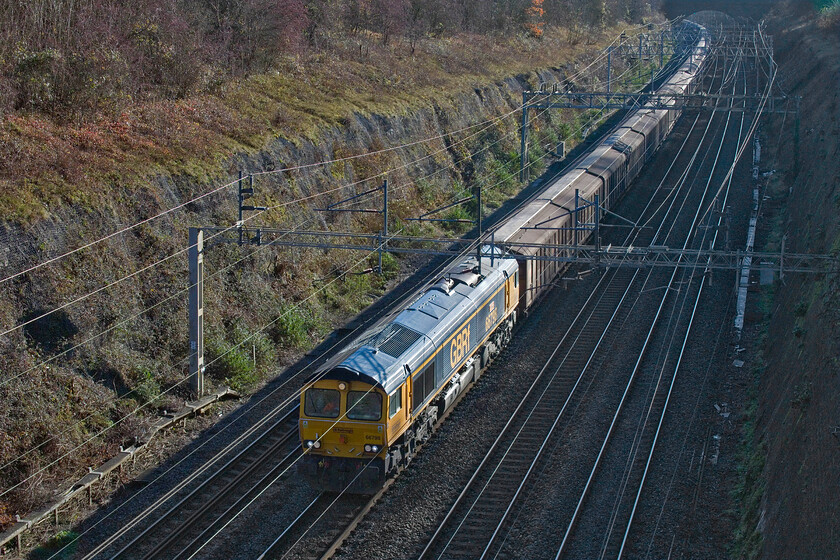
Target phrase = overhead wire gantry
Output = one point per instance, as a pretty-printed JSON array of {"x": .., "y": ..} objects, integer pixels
[{"x": 729, "y": 42}]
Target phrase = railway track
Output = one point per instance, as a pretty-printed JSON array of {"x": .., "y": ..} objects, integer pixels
[
  {"x": 485, "y": 505},
  {"x": 318, "y": 528},
  {"x": 478, "y": 524},
  {"x": 600, "y": 526},
  {"x": 520, "y": 500},
  {"x": 640, "y": 440},
  {"x": 193, "y": 519}
]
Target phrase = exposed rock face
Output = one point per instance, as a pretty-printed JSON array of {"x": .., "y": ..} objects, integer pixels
[
  {"x": 800, "y": 388},
  {"x": 454, "y": 154}
]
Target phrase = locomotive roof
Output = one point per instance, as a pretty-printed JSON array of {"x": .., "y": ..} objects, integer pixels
[{"x": 380, "y": 354}]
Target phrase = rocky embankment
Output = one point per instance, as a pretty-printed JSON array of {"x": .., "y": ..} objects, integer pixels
[{"x": 792, "y": 472}]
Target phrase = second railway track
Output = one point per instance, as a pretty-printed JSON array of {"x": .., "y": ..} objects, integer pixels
[
  {"x": 188, "y": 523},
  {"x": 478, "y": 524}
]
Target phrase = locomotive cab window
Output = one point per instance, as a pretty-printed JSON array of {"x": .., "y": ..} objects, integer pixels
[
  {"x": 394, "y": 402},
  {"x": 322, "y": 403},
  {"x": 364, "y": 405}
]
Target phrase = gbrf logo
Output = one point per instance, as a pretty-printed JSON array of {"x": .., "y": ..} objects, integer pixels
[
  {"x": 492, "y": 316},
  {"x": 459, "y": 346}
]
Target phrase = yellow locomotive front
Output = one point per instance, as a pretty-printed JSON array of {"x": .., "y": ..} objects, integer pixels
[{"x": 344, "y": 436}]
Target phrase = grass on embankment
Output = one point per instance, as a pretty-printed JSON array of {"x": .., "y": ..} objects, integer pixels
[{"x": 45, "y": 163}]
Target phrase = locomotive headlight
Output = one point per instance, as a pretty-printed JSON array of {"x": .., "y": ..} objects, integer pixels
[
  {"x": 317, "y": 445},
  {"x": 310, "y": 444},
  {"x": 367, "y": 448},
  {"x": 374, "y": 448}
]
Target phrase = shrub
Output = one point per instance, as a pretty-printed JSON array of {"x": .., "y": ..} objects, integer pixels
[
  {"x": 356, "y": 291},
  {"x": 390, "y": 265},
  {"x": 292, "y": 328},
  {"x": 242, "y": 358},
  {"x": 34, "y": 75},
  {"x": 457, "y": 213},
  {"x": 63, "y": 545},
  {"x": 231, "y": 363},
  {"x": 503, "y": 177},
  {"x": 146, "y": 387},
  {"x": 536, "y": 160}
]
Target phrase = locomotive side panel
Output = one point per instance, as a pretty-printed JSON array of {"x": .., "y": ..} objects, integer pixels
[{"x": 399, "y": 417}]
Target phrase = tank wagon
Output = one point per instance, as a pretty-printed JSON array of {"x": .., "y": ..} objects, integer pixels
[{"x": 375, "y": 402}]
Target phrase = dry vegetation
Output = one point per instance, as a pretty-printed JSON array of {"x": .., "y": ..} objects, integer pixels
[{"x": 75, "y": 124}]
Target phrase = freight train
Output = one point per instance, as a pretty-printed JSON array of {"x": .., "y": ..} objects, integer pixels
[{"x": 377, "y": 400}]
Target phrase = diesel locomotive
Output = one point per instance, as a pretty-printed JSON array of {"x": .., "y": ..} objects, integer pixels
[
  {"x": 378, "y": 400},
  {"x": 374, "y": 403}
]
